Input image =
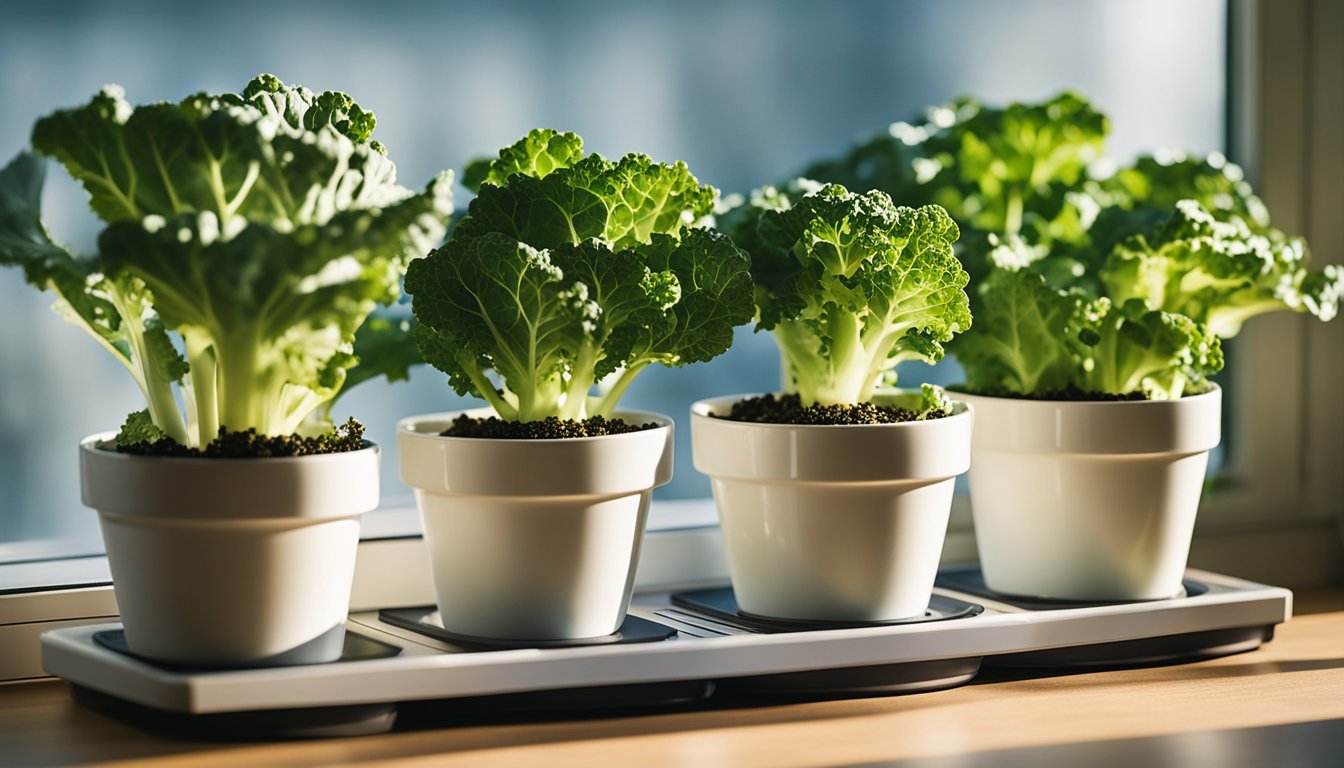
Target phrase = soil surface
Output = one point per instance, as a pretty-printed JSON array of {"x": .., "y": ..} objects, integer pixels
[
  {"x": 789, "y": 409},
  {"x": 1070, "y": 395},
  {"x": 549, "y": 428},
  {"x": 250, "y": 445}
]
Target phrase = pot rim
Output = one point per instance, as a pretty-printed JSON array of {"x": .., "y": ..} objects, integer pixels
[
  {"x": 701, "y": 409},
  {"x": 296, "y": 489},
  {"x": 408, "y": 426},
  {"x": 100, "y": 444},
  {"x": 1212, "y": 391},
  {"x": 909, "y": 452},
  {"x": 1110, "y": 428},
  {"x": 602, "y": 465}
]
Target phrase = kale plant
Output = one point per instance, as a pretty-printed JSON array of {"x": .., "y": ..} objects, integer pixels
[
  {"x": 1088, "y": 278},
  {"x": 262, "y": 228},
  {"x": 850, "y": 285},
  {"x": 570, "y": 269}
]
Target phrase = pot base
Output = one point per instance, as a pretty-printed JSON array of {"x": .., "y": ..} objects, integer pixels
[
  {"x": 971, "y": 581},
  {"x": 425, "y": 620},
  {"x": 721, "y": 603},
  {"x": 331, "y": 646}
]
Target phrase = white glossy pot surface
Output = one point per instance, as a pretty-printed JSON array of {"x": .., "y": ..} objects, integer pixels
[
  {"x": 231, "y": 562},
  {"x": 533, "y": 539},
  {"x": 841, "y": 523},
  {"x": 1089, "y": 500}
]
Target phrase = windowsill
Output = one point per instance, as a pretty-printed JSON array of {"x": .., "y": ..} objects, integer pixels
[{"x": 1169, "y": 715}]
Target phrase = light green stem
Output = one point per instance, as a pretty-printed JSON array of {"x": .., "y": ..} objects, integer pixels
[
  {"x": 1012, "y": 216},
  {"x": 848, "y": 373},
  {"x": 876, "y": 361},
  {"x": 201, "y": 388},
  {"x": 607, "y": 405},
  {"x": 541, "y": 399},
  {"x": 581, "y": 378},
  {"x": 487, "y": 390},
  {"x": 240, "y": 405},
  {"x": 158, "y": 390}
]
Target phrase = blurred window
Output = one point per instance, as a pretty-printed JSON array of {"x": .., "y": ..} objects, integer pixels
[{"x": 745, "y": 92}]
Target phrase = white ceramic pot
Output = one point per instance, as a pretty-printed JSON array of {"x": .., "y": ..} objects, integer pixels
[
  {"x": 533, "y": 539},
  {"x": 1089, "y": 500},
  {"x": 842, "y": 523},
  {"x": 231, "y": 562}
]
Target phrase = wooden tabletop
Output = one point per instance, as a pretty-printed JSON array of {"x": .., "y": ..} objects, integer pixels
[{"x": 1297, "y": 678}]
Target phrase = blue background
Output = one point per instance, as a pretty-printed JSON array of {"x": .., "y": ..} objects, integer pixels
[{"x": 745, "y": 92}]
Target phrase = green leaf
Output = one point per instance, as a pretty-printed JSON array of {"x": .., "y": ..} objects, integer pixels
[
  {"x": 700, "y": 290},
  {"x": 568, "y": 269},
  {"x": 24, "y": 241},
  {"x": 501, "y": 304},
  {"x": 138, "y": 428},
  {"x": 623, "y": 203},
  {"x": 1021, "y": 340},
  {"x": 278, "y": 154},
  {"x": 540, "y": 152},
  {"x": 997, "y": 166},
  {"x": 1138, "y": 349},
  {"x": 114, "y": 311},
  {"x": 851, "y": 285},
  {"x": 544, "y": 213},
  {"x": 263, "y": 227},
  {"x": 384, "y": 346},
  {"x": 933, "y": 400},
  {"x": 1219, "y": 273}
]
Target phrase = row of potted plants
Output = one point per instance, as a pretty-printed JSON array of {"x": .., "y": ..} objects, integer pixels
[
  {"x": 263, "y": 228},
  {"x": 1090, "y": 282}
]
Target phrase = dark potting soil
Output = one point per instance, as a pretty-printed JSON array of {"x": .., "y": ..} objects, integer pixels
[
  {"x": 789, "y": 409},
  {"x": 1072, "y": 394},
  {"x": 550, "y": 428},
  {"x": 247, "y": 444}
]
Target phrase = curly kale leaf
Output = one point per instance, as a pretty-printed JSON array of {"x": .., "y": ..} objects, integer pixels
[
  {"x": 1219, "y": 273},
  {"x": 262, "y": 226},
  {"x": 994, "y": 167},
  {"x": 1134, "y": 348},
  {"x": 851, "y": 285},
  {"x": 1022, "y": 340},
  {"x": 539, "y": 153},
  {"x": 623, "y": 203},
  {"x": 1141, "y": 198},
  {"x": 552, "y": 323},
  {"x": 569, "y": 270},
  {"x": 115, "y": 311},
  {"x": 701, "y": 289},
  {"x": 741, "y": 220},
  {"x": 138, "y": 429},
  {"x": 495, "y": 300}
]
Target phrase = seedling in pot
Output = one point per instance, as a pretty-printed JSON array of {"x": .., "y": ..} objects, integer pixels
[
  {"x": 1101, "y": 299},
  {"x": 261, "y": 229},
  {"x": 834, "y": 496},
  {"x": 569, "y": 276}
]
